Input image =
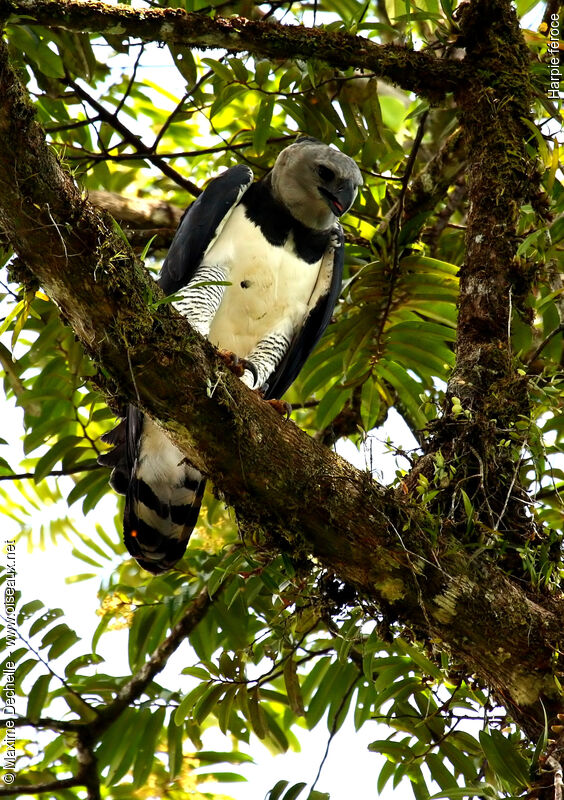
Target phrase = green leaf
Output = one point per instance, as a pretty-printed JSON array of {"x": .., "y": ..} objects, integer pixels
[
  {"x": 370, "y": 403},
  {"x": 11, "y": 316},
  {"x": 188, "y": 702},
  {"x": 294, "y": 791},
  {"x": 239, "y": 69},
  {"x": 256, "y": 715},
  {"x": 45, "y": 619},
  {"x": 85, "y": 483},
  {"x": 292, "y": 683},
  {"x": 276, "y": 792},
  {"x": 147, "y": 247},
  {"x": 439, "y": 772},
  {"x": 226, "y": 98},
  {"x": 322, "y": 697},
  {"x": 24, "y": 669},
  {"x": 506, "y": 761},
  {"x": 332, "y": 403},
  {"x": 147, "y": 748},
  {"x": 474, "y": 790},
  {"x": 262, "y": 71},
  {"x": 125, "y": 750},
  {"x": 59, "y": 639},
  {"x": 221, "y": 70},
  {"x": 197, "y": 672},
  {"x": 28, "y": 610},
  {"x": 174, "y": 747},
  {"x": 262, "y": 124},
  {"x": 53, "y": 455},
  {"x": 224, "y": 709},
  {"x": 37, "y": 697},
  {"x": 275, "y": 739},
  {"x": 207, "y": 702},
  {"x": 543, "y": 738},
  {"x": 385, "y": 774},
  {"x": 185, "y": 63},
  {"x": 395, "y": 751}
]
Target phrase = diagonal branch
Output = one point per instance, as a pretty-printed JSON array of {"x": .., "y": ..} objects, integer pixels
[
  {"x": 420, "y": 72},
  {"x": 88, "y": 733},
  {"x": 141, "y": 149},
  {"x": 135, "y": 687}
]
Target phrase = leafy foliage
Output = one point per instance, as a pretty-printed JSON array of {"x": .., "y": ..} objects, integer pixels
[{"x": 283, "y": 646}]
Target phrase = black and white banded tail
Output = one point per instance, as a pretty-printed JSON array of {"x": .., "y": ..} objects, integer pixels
[{"x": 163, "y": 491}]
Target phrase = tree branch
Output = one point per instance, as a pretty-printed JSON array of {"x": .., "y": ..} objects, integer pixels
[
  {"x": 41, "y": 788},
  {"x": 142, "y": 151},
  {"x": 135, "y": 687},
  {"x": 142, "y": 213},
  {"x": 285, "y": 487},
  {"x": 88, "y": 733},
  {"x": 420, "y": 72},
  {"x": 56, "y": 473}
]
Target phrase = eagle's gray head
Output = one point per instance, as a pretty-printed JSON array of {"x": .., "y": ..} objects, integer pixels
[{"x": 315, "y": 182}]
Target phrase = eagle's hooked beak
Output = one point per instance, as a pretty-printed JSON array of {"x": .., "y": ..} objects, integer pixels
[{"x": 340, "y": 198}]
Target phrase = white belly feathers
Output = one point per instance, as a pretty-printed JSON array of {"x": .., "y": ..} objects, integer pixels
[{"x": 270, "y": 288}]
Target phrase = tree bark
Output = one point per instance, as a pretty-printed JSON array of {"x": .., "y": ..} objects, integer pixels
[
  {"x": 288, "y": 491},
  {"x": 417, "y": 71}
]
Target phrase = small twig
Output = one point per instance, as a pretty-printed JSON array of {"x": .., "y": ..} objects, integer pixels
[
  {"x": 49, "y": 724},
  {"x": 543, "y": 344},
  {"x": 334, "y": 729},
  {"x": 135, "y": 141},
  {"x": 53, "y": 787},
  {"x": 132, "y": 374},
  {"x": 81, "y": 123},
  {"x": 58, "y": 233},
  {"x": 131, "y": 79},
  {"x": 56, "y": 473},
  {"x": 557, "y": 767},
  {"x": 511, "y": 485}
]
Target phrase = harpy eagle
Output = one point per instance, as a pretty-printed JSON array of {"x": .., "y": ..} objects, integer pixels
[{"x": 257, "y": 268}]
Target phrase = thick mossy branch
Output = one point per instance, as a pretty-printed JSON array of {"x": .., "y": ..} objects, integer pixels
[
  {"x": 282, "y": 483},
  {"x": 502, "y": 176},
  {"x": 420, "y": 72}
]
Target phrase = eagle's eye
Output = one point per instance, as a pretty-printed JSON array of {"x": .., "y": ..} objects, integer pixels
[{"x": 326, "y": 174}]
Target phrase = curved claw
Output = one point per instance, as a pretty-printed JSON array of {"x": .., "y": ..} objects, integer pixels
[
  {"x": 237, "y": 365},
  {"x": 250, "y": 367},
  {"x": 281, "y": 406}
]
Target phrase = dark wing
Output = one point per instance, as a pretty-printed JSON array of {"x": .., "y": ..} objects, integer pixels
[
  {"x": 311, "y": 331},
  {"x": 200, "y": 225},
  {"x": 125, "y": 439}
]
